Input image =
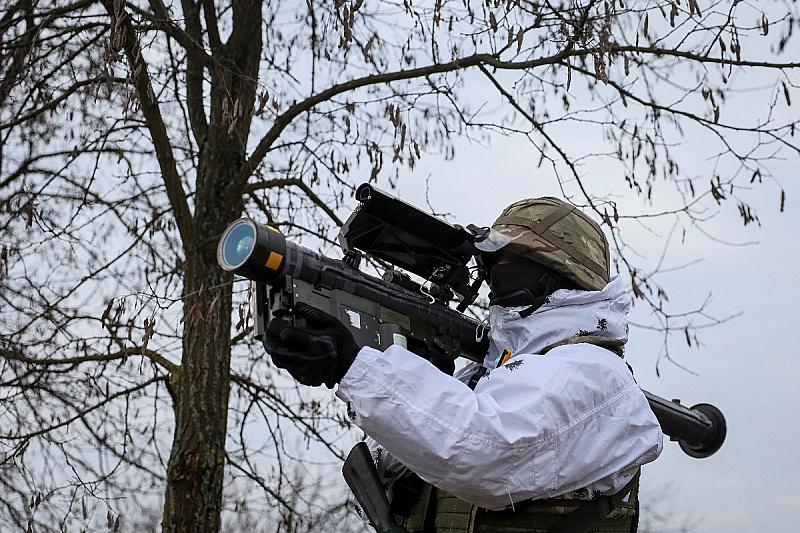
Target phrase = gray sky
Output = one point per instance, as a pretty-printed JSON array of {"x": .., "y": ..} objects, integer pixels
[{"x": 748, "y": 367}]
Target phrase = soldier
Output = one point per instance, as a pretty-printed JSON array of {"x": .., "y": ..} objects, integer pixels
[{"x": 547, "y": 435}]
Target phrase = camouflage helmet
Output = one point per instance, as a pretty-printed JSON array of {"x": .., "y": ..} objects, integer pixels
[{"x": 559, "y": 236}]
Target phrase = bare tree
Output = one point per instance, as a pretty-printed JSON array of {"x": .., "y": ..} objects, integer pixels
[{"x": 132, "y": 132}]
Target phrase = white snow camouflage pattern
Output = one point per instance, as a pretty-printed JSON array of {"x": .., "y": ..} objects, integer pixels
[{"x": 540, "y": 426}]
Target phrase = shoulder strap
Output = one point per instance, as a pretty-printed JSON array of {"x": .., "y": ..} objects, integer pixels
[
  {"x": 614, "y": 345},
  {"x": 473, "y": 381}
]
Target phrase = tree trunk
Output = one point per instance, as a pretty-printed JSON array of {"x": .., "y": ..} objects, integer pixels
[{"x": 195, "y": 472}]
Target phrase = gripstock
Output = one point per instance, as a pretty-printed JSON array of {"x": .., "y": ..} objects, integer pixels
[{"x": 396, "y": 309}]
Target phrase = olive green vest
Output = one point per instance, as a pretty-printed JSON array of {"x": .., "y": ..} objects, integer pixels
[{"x": 436, "y": 511}]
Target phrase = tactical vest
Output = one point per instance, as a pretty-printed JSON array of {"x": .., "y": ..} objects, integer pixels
[{"x": 436, "y": 511}]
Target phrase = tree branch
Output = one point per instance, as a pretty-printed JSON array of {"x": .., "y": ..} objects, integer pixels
[
  {"x": 297, "y": 182},
  {"x": 164, "y": 22},
  {"x": 283, "y": 120},
  {"x": 88, "y": 410},
  {"x": 154, "y": 356},
  {"x": 121, "y": 28}
]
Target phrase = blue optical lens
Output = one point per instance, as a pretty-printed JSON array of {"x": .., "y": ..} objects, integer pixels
[{"x": 238, "y": 243}]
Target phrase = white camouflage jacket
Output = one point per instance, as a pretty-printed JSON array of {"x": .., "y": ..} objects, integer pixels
[{"x": 570, "y": 423}]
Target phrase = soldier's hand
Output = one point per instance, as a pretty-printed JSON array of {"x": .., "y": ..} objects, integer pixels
[{"x": 319, "y": 352}]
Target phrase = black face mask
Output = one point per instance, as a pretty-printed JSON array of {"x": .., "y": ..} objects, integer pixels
[{"x": 524, "y": 283}]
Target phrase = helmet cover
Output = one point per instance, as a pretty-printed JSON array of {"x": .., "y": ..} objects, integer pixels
[{"x": 558, "y": 235}]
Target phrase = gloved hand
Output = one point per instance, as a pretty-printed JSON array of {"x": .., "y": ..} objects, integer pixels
[{"x": 320, "y": 352}]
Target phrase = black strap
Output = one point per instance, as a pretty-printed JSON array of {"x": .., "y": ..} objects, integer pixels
[
  {"x": 406, "y": 491},
  {"x": 476, "y": 377}
]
